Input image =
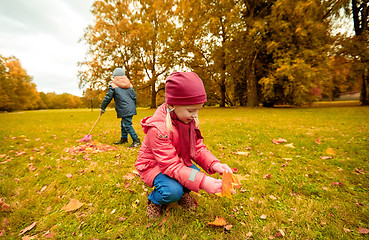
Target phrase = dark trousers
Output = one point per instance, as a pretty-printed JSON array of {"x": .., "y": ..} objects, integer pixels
[{"x": 126, "y": 128}]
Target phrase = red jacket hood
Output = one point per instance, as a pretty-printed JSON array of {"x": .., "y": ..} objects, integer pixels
[{"x": 158, "y": 119}]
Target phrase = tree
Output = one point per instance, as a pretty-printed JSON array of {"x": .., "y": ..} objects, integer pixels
[
  {"x": 252, "y": 41},
  {"x": 360, "y": 12},
  {"x": 357, "y": 46},
  {"x": 155, "y": 26},
  {"x": 111, "y": 44},
  {"x": 139, "y": 39},
  {"x": 18, "y": 92},
  {"x": 299, "y": 43},
  {"x": 208, "y": 28}
]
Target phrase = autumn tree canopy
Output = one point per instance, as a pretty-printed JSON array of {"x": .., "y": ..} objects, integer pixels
[{"x": 247, "y": 52}]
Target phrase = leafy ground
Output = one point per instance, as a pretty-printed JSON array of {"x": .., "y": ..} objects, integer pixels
[{"x": 314, "y": 186}]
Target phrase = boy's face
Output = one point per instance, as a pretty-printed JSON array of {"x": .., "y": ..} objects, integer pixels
[{"x": 186, "y": 113}]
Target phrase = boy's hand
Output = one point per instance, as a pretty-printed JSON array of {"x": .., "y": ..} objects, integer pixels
[
  {"x": 221, "y": 168},
  {"x": 211, "y": 185}
]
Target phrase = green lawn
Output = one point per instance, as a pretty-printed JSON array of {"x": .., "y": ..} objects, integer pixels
[{"x": 296, "y": 189}]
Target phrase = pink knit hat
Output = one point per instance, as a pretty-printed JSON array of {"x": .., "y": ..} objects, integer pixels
[{"x": 184, "y": 88}]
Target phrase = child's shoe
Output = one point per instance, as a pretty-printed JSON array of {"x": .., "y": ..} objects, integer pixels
[
  {"x": 121, "y": 141},
  {"x": 153, "y": 210},
  {"x": 136, "y": 143},
  {"x": 187, "y": 201}
]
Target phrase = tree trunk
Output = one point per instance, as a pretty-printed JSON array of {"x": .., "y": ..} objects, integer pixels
[
  {"x": 252, "y": 91},
  {"x": 364, "y": 97},
  {"x": 153, "y": 95},
  {"x": 222, "y": 82}
]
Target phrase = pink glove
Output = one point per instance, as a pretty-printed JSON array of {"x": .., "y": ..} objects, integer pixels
[
  {"x": 220, "y": 168},
  {"x": 211, "y": 185}
]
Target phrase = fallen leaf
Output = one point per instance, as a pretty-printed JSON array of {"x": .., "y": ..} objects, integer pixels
[
  {"x": 69, "y": 175},
  {"x": 363, "y": 230},
  {"x": 279, "y": 140},
  {"x": 263, "y": 216},
  {"x": 4, "y": 206},
  {"x": 290, "y": 145},
  {"x": 242, "y": 153},
  {"x": 30, "y": 227},
  {"x": 346, "y": 230},
  {"x": 72, "y": 205},
  {"x": 129, "y": 176},
  {"x": 235, "y": 170},
  {"x": 272, "y": 197},
  {"x": 325, "y": 157},
  {"x": 280, "y": 233},
  {"x": 267, "y": 176},
  {"x": 218, "y": 222},
  {"x": 318, "y": 141},
  {"x": 228, "y": 227},
  {"x": 48, "y": 234},
  {"x": 248, "y": 235},
  {"x": 90, "y": 147},
  {"x": 122, "y": 219},
  {"x": 360, "y": 171},
  {"x": 330, "y": 151},
  {"x": 337, "y": 183}
]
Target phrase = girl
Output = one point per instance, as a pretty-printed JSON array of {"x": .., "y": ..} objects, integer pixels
[{"x": 173, "y": 140}]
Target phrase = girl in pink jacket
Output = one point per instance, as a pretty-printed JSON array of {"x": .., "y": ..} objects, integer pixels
[{"x": 173, "y": 143}]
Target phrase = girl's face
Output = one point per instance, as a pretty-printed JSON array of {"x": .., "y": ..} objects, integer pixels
[{"x": 186, "y": 113}]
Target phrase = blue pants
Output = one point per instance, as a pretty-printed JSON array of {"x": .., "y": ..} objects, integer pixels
[
  {"x": 167, "y": 190},
  {"x": 126, "y": 128}
]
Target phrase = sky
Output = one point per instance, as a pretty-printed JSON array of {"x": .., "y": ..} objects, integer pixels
[{"x": 44, "y": 35}]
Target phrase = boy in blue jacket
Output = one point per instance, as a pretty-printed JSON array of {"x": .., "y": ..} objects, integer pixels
[{"x": 125, "y": 99}]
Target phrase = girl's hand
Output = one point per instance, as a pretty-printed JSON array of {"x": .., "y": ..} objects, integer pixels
[
  {"x": 220, "y": 168},
  {"x": 211, "y": 185}
]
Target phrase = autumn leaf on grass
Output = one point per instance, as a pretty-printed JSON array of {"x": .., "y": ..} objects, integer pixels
[
  {"x": 4, "y": 206},
  {"x": 72, "y": 205},
  {"x": 229, "y": 181},
  {"x": 219, "y": 222},
  {"x": 30, "y": 227},
  {"x": 242, "y": 153},
  {"x": 363, "y": 230},
  {"x": 330, "y": 151},
  {"x": 129, "y": 176},
  {"x": 279, "y": 141}
]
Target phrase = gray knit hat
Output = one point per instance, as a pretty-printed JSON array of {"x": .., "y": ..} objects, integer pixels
[{"x": 119, "y": 72}]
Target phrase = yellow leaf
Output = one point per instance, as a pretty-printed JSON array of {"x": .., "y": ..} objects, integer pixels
[
  {"x": 218, "y": 222},
  {"x": 229, "y": 181},
  {"x": 72, "y": 205},
  {"x": 330, "y": 151}
]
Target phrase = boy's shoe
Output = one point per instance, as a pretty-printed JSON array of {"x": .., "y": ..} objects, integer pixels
[
  {"x": 136, "y": 143},
  {"x": 187, "y": 201},
  {"x": 153, "y": 210},
  {"x": 121, "y": 141}
]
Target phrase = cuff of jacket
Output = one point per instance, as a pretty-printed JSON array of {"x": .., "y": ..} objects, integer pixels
[{"x": 193, "y": 179}]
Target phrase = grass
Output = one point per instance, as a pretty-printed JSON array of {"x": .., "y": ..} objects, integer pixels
[{"x": 305, "y": 196}]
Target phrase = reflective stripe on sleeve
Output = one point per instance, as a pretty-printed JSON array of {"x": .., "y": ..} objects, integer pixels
[{"x": 193, "y": 175}]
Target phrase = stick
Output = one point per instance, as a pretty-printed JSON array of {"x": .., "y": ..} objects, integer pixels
[{"x": 94, "y": 124}]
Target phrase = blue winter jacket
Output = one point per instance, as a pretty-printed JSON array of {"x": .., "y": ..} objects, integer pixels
[{"x": 125, "y": 101}]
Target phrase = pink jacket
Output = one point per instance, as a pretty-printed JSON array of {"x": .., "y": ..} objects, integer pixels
[{"x": 158, "y": 154}]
